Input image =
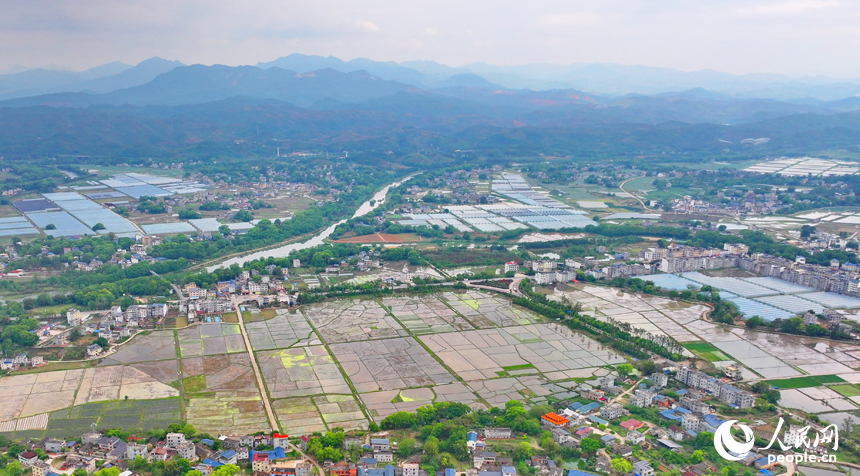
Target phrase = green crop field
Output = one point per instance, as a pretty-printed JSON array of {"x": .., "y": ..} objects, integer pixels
[
  {"x": 706, "y": 351},
  {"x": 805, "y": 382},
  {"x": 846, "y": 390}
]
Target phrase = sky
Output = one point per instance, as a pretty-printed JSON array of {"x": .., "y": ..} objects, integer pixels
[{"x": 794, "y": 37}]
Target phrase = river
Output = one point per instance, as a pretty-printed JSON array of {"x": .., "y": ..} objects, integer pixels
[{"x": 283, "y": 251}]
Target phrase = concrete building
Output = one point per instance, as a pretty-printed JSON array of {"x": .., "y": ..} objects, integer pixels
[{"x": 497, "y": 433}]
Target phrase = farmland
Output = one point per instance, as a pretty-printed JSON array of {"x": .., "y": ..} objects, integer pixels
[{"x": 347, "y": 362}]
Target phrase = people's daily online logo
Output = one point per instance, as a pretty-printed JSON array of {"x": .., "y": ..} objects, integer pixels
[
  {"x": 796, "y": 439},
  {"x": 728, "y": 447}
]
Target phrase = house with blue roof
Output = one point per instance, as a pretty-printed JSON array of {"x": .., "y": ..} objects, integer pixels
[
  {"x": 575, "y": 406},
  {"x": 589, "y": 408},
  {"x": 472, "y": 440},
  {"x": 576, "y": 472},
  {"x": 450, "y": 472},
  {"x": 598, "y": 420}
]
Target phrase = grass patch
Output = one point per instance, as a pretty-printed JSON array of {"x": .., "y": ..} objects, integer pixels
[
  {"x": 806, "y": 382},
  {"x": 518, "y": 367},
  {"x": 706, "y": 351},
  {"x": 195, "y": 384},
  {"x": 846, "y": 390},
  {"x": 268, "y": 313},
  {"x": 230, "y": 317}
]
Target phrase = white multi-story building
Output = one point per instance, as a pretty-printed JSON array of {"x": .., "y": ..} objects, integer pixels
[
  {"x": 794, "y": 435},
  {"x": 133, "y": 450},
  {"x": 642, "y": 398},
  {"x": 612, "y": 411},
  {"x": 690, "y": 422},
  {"x": 511, "y": 266},
  {"x": 175, "y": 439},
  {"x": 659, "y": 379},
  {"x": 73, "y": 317}
]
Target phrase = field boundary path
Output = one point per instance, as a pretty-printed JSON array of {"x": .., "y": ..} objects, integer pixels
[{"x": 273, "y": 422}]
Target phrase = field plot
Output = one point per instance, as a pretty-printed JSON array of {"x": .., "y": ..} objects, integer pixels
[
  {"x": 706, "y": 351},
  {"x": 426, "y": 314},
  {"x": 298, "y": 415},
  {"x": 117, "y": 382},
  {"x": 350, "y": 320},
  {"x": 223, "y": 394},
  {"x": 498, "y": 391},
  {"x": 31, "y": 394},
  {"x": 130, "y": 415},
  {"x": 486, "y": 310},
  {"x": 547, "y": 348},
  {"x": 301, "y": 371},
  {"x": 282, "y": 331},
  {"x": 390, "y": 364},
  {"x": 342, "y": 411},
  {"x": 210, "y": 339},
  {"x": 223, "y": 412},
  {"x": 653, "y": 314},
  {"x": 382, "y": 404},
  {"x": 157, "y": 345},
  {"x": 221, "y": 373}
]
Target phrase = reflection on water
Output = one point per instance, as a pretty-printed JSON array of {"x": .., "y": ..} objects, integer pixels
[
  {"x": 810, "y": 471},
  {"x": 284, "y": 251}
]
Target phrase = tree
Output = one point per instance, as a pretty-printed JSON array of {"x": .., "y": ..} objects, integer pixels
[
  {"x": 189, "y": 215},
  {"x": 522, "y": 452},
  {"x": 188, "y": 430},
  {"x": 697, "y": 457},
  {"x": 431, "y": 446},
  {"x": 806, "y": 231},
  {"x": 98, "y": 226},
  {"x": 624, "y": 370},
  {"x": 620, "y": 465},
  {"x": 112, "y": 471},
  {"x": 705, "y": 439},
  {"x": 243, "y": 215},
  {"x": 647, "y": 367},
  {"x": 14, "y": 469},
  {"x": 589, "y": 445},
  {"x": 77, "y": 472},
  {"x": 224, "y": 230},
  {"x": 50, "y": 226},
  {"x": 102, "y": 342},
  {"x": 754, "y": 322},
  {"x": 406, "y": 447}
]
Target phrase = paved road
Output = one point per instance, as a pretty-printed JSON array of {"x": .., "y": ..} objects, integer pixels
[
  {"x": 273, "y": 422},
  {"x": 513, "y": 288},
  {"x": 634, "y": 387},
  {"x": 313, "y": 460},
  {"x": 621, "y": 187}
]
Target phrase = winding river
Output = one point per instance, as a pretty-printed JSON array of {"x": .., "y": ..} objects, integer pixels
[{"x": 283, "y": 251}]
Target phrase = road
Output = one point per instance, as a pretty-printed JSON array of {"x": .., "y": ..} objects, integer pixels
[
  {"x": 621, "y": 187},
  {"x": 313, "y": 461},
  {"x": 634, "y": 387},
  {"x": 273, "y": 422},
  {"x": 513, "y": 288}
]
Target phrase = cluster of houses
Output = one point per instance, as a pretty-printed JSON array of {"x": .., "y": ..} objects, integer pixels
[
  {"x": 724, "y": 391},
  {"x": 751, "y": 204},
  {"x": 95, "y": 446},
  {"x": 20, "y": 361}
]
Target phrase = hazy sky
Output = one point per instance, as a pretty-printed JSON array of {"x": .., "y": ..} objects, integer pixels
[{"x": 797, "y": 37}]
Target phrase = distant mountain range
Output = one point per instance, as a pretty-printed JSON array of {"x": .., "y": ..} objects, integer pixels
[
  {"x": 101, "y": 79},
  {"x": 161, "y": 107}
]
